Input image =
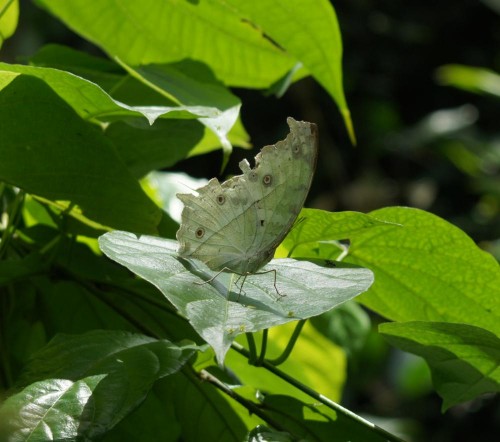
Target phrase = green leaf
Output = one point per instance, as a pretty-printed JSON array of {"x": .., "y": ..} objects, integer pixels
[
  {"x": 121, "y": 355},
  {"x": 56, "y": 409},
  {"x": 92, "y": 103},
  {"x": 427, "y": 269},
  {"x": 102, "y": 71},
  {"x": 217, "y": 311},
  {"x": 21, "y": 333},
  {"x": 154, "y": 420},
  {"x": 128, "y": 365},
  {"x": 193, "y": 84},
  {"x": 144, "y": 149},
  {"x": 309, "y": 31},
  {"x": 115, "y": 299},
  {"x": 147, "y": 148},
  {"x": 473, "y": 79},
  {"x": 76, "y": 164},
  {"x": 142, "y": 146},
  {"x": 9, "y": 15},
  {"x": 175, "y": 402},
  {"x": 464, "y": 359},
  {"x": 237, "y": 52},
  {"x": 316, "y": 229},
  {"x": 69, "y": 308}
]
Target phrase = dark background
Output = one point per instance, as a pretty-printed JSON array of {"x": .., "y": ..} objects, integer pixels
[{"x": 391, "y": 53}]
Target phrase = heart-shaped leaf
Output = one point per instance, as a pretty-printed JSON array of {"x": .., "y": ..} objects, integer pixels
[{"x": 217, "y": 306}]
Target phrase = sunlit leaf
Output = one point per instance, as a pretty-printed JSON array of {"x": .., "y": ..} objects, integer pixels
[
  {"x": 74, "y": 166},
  {"x": 219, "y": 310},
  {"x": 9, "y": 15},
  {"x": 464, "y": 360},
  {"x": 121, "y": 366},
  {"x": 237, "y": 52}
]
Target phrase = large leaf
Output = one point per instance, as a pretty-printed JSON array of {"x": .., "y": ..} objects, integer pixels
[
  {"x": 171, "y": 408},
  {"x": 464, "y": 360},
  {"x": 216, "y": 309},
  {"x": 428, "y": 269},
  {"x": 149, "y": 31},
  {"x": 52, "y": 410},
  {"x": 425, "y": 268},
  {"x": 241, "y": 48},
  {"x": 144, "y": 147},
  {"x": 120, "y": 366},
  {"x": 50, "y": 151},
  {"x": 310, "y": 32},
  {"x": 307, "y": 30},
  {"x": 92, "y": 103}
]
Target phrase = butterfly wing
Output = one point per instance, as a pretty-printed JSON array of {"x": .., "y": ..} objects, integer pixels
[{"x": 238, "y": 224}]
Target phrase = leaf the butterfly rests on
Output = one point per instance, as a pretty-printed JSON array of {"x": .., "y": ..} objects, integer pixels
[{"x": 236, "y": 226}]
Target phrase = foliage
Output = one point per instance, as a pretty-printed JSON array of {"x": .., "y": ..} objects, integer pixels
[{"x": 89, "y": 350}]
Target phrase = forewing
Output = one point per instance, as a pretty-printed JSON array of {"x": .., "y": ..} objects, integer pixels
[
  {"x": 291, "y": 164},
  {"x": 239, "y": 223}
]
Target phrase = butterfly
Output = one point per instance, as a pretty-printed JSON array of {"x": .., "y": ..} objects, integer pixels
[{"x": 236, "y": 226}]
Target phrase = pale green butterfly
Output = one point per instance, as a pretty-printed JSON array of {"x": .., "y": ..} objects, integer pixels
[{"x": 236, "y": 226}]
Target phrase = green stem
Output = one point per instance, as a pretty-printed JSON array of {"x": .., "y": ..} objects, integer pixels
[
  {"x": 291, "y": 343},
  {"x": 319, "y": 397},
  {"x": 249, "y": 405},
  {"x": 252, "y": 349},
  {"x": 263, "y": 348}
]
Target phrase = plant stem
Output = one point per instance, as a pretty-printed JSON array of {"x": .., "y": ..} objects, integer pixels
[
  {"x": 263, "y": 348},
  {"x": 291, "y": 343},
  {"x": 252, "y": 353},
  {"x": 323, "y": 399},
  {"x": 249, "y": 405}
]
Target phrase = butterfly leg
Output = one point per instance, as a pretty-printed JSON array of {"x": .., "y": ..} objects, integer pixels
[
  {"x": 212, "y": 278},
  {"x": 275, "y": 286},
  {"x": 244, "y": 276},
  {"x": 240, "y": 275}
]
